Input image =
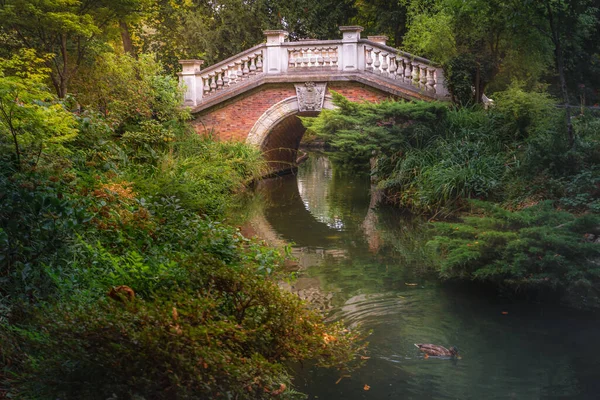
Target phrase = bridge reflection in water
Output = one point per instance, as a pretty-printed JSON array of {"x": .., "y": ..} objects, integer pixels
[{"x": 533, "y": 352}]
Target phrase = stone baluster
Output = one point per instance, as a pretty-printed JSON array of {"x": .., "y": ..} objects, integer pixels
[
  {"x": 327, "y": 57},
  {"x": 415, "y": 74},
  {"x": 369, "y": 59},
  {"x": 423, "y": 75},
  {"x": 334, "y": 57},
  {"x": 384, "y": 64},
  {"x": 239, "y": 71},
  {"x": 252, "y": 64},
  {"x": 430, "y": 80},
  {"x": 246, "y": 70},
  {"x": 393, "y": 66},
  {"x": 407, "y": 71},
  {"x": 232, "y": 75},
  {"x": 259, "y": 61},
  {"x": 225, "y": 74},
  {"x": 376, "y": 63},
  {"x": 220, "y": 81},
  {"x": 213, "y": 82},
  {"x": 320, "y": 58},
  {"x": 291, "y": 58},
  {"x": 206, "y": 84},
  {"x": 399, "y": 69},
  {"x": 314, "y": 57}
]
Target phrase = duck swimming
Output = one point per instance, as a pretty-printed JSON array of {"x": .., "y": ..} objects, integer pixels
[{"x": 437, "y": 351}]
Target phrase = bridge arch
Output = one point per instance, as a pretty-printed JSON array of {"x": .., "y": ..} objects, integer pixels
[
  {"x": 275, "y": 115},
  {"x": 278, "y": 131}
]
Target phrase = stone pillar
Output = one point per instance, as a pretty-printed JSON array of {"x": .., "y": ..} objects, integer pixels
[
  {"x": 381, "y": 39},
  {"x": 349, "y": 56},
  {"x": 191, "y": 79},
  {"x": 275, "y": 62},
  {"x": 440, "y": 84}
]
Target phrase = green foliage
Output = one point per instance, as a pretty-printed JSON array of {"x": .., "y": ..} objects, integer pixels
[
  {"x": 431, "y": 35},
  {"x": 117, "y": 202},
  {"x": 32, "y": 121},
  {"x": 36, "y": 226},
  {"x": 128, "y": 91},
  {"x": 360, "y": 131},
  {"x": 426, "y": 156},
  {"x": 69, "y": 32},
  {"x": 525, "y": 112},
  {"x": 202, "y": 173},
  {"x": 534, "y": 248}
]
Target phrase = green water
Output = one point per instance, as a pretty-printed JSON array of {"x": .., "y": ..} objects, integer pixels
[{"x": 360, "y": 263}]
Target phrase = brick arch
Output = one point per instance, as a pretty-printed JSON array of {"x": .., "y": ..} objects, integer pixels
[
  {"x": 274, "y": 116},
  {"x": 267, "y": 116}
]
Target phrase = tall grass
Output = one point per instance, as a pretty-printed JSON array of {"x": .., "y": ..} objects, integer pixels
[{"x": 203, "y": 173}]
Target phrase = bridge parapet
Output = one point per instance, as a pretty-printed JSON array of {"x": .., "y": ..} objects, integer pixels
[{"x": 368, "y": 61}]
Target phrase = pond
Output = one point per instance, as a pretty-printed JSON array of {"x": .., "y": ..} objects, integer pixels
[{"x": 360, "y": 263}]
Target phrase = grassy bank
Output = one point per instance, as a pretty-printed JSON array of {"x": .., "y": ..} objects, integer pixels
[{"x": 522, "y": 200}]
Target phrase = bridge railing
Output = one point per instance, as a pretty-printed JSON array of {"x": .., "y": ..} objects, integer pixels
[{"x": 319, "y": 58}]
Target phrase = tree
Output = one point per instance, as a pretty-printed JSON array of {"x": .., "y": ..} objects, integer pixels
[
  {"x": 30, "y": 116},
  {"x": 477, "y": 38},
  {"x": 69, "y": 30},
  {"x": 567, "y": 24},
  {"x": 380, "y": 17}
]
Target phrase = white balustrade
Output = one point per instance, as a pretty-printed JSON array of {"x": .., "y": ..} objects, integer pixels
[
  {"x": 349, "y": 56},
  {"x": 312, "y": 57},
  {"x": 224, "y": 75}
]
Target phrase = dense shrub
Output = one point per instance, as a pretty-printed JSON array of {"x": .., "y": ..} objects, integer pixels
[
  {"x": 222, "y": 334},
  {"x": 202, "y": 173},
  {"x": 128, "y": 91},
  {"x": 535, "y": 248},
  {"x": 427, "y": 157}
]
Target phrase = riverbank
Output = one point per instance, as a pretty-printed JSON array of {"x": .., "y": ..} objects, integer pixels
[{"x": 442, "y": 162}]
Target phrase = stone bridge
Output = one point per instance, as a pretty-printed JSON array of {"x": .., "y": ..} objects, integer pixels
[{"x": 257, "y": 95}]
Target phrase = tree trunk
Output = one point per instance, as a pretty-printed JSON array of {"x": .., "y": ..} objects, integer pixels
[
  {"x": 563, "y": 88},
  {"x": 560, "y": 67},
  {"x": 478, "y": 84},
  {"x": 63, "y": 76},
  {"x": 126, "y": 38}
]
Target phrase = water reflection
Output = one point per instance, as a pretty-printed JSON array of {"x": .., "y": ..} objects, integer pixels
[{"x": 363, "y": 264}]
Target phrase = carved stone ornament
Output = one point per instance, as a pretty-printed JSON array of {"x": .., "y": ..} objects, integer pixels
[{"x": 310, "y": 96}]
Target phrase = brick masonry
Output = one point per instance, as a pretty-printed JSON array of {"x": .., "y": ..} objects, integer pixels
[{"x": 233, "y": 119}]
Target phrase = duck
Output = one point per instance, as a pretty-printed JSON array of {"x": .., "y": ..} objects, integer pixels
[{"x": 437, "y": 350}]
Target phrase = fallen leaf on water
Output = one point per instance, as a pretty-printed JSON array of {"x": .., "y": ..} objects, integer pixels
[
  {"x": 367, "y": 387},
  {"x": 410, "y": 284},
  {"x": 364, "y": 357},
  {"x": 504, "y": 312}
]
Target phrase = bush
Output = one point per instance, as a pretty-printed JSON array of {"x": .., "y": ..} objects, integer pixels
[
  {"x": 223, "y": 334},
  {"x": 202, "y": 173},
  {"x": 128, "y": 91},
  {"x": 428, "y": 157},
  {"x": 536, "y": 248}
]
